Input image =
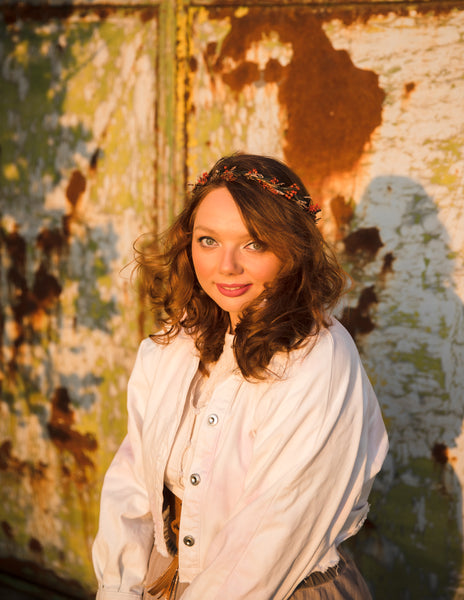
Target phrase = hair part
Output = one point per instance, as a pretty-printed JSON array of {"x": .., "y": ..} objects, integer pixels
[{"x": 292, "y": 308}]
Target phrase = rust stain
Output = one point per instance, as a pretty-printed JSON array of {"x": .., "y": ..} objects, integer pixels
[
  {"x": 94, "y": 161},
  {"x": 246, "y": 73},
  {"x": 210, "y": 53},
  {"x": 362, "y": 245},
  {"x": 36, "y": 473},
  {"x": 361, "y": 12},
  {"x": 16, "y": 248},
  {"x": 7, "y": 530},
  {"x": 46, "y": 289},
  {"x": 357, "y": 320},
  {"x": 22, "y": 11},
  {"x": 30, "y": 306},
  {"x": 387, "y": 266},
  {"x": 408, "y": 89},
  {"x": 342, "y": 212},
  {"x": 75, "y": 189},
  {"x": 51, "y": 240},
  {"x": 193, "y": 64},
  {"x": 273, "y": 71},
  {"x": 148, "y": 14},
  {"x": 35, "y": 546},
  {"x": 332, "y": 106},
  {"x": 9, "y": 462},
  {"x": 66, "y": 225},
  {"x": 440, "y": 453},
  {"x": 365, "y": 240},
  {"x": 104, "y": 12},
  {"x": 66, "y": 438},
  {"x": 12, "y": 464}
]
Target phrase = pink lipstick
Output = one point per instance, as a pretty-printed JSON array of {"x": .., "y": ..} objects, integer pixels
[{"x": 232, "y": 291}]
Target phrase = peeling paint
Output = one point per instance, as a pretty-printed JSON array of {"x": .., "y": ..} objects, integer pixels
[
  {"x": 406, "y": 188},
  {"x": 416, "y": 534},
  {"x": 74, "y": 84},
  {"x": 365, "y": 240},
  {"x": 387, "y": 166},
  {"x": 363, "y": 99},
  {"x": 358, "y": 319},
  {"x": 65, "y": 437},
  {"x": 331, "y": 107}
]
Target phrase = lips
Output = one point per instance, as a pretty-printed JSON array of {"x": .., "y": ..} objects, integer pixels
[{"x": 233, "y": 291}]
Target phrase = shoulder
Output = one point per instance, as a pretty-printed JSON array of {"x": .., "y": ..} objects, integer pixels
[
  {"x": 328, "y": 369},
  {"x": 339, "y": 340},
  {"x": 152, "y": 352},
  {"x": 333, "y": 344}
]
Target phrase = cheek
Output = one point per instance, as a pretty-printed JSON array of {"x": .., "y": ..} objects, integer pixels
[
  {"x": 199, "y": 263},
  {"x": 271, "y": 269},
  {"x": 194, "y": 259}
]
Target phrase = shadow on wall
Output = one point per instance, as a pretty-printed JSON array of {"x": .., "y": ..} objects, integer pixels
[{"x": 408, "y": 323}]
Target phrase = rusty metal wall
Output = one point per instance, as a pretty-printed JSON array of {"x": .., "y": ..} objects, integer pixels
[
  {"x": 107, "y": 110},
  {"x": 78, "y": 155},
  {"x": 366, "y": 101}
]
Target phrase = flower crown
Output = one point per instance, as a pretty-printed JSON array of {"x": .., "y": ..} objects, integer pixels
[{"x": 273, "y": 185}]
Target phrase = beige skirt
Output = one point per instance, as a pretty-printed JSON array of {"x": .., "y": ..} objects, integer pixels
[{"x": 343, "y": 582}]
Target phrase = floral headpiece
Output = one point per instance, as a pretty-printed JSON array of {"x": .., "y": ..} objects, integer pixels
[{"x": 273, "y": 185}]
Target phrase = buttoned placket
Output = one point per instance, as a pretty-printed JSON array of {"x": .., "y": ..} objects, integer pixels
[
  {"x": 157, "y": 468},
  {"x": 212, "y": 423},
  {"x": 196, "y": 410}
]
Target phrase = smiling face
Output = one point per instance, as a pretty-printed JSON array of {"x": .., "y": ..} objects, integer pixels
[{"x": 231, "y": 266}]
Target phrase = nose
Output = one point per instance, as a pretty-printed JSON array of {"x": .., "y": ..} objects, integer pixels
[{"x": 230, "y": 263}]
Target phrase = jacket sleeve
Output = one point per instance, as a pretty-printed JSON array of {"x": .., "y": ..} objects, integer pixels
[
  {"x": 125, "y": 537},
  {"x": 318, "y": 445}
]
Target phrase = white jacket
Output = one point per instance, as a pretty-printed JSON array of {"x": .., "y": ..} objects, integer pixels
[{"x": 284, "y": 469}]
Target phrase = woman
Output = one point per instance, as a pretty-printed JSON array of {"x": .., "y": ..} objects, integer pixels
[{"x": 250, "y": 405}]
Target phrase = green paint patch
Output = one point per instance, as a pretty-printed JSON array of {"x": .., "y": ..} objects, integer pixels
[
  {"x": 442, "y": 174},
  {"x": 423, "y": 362},
  {"x": 444, "y": 168},
  {"x": 399, "y": 317},
  {"x": 393, "y": 70},
  {"x": 55, "y": 82},
  {"x": 444, "y": 330},
  {"x": 414, "y": 527},
  {"x": 428, "y": 237}
]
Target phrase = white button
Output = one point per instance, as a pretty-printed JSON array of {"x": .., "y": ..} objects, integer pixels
[
  {"x": 188, "y": 540},
  {"x": 195, "y": 479},
  {"x": 213, "y": 419}
]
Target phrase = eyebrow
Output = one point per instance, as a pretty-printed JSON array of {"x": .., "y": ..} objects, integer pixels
[
  {"x": 204, "y": 228},
  {"x": 213, "y": 232}
]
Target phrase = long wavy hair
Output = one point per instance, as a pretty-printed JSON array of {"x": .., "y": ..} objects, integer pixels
[{"x": 292, "y": 308}]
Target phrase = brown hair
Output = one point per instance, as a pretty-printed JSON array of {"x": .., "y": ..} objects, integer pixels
[{"x": 292, "y": 307}]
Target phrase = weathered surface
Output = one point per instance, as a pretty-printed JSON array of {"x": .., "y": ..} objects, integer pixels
[
  {"x": 364, "y": 99},
  {"x": 77, "y": 139},
  {"x": 367, "y": 105},
  {"x": 296, "y": 95},
  {"x": 410, "y": 188}
]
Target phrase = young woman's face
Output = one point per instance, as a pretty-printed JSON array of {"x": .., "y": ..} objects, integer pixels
[{"x": 231, "y": 266}]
